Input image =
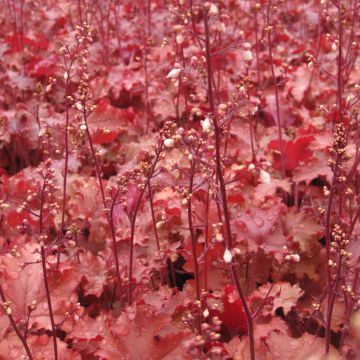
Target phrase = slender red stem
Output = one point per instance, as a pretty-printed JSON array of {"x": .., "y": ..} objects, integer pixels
[
  {"x": 145, "y": 54},
  {"x": 219, "y": 173},
  {"x": 68, "y": 68},
  {"x": 277, "y": 99},
  {"x": 66, "y": 165},
  {"x": 206, "y": 230},
  {"x": 147, "y": 100},
  {"x": 318, "y": 44},
  {"x": 217, "y": 132},
  {"x": 332, "y": 291},
  {"x": 193, "y": 240},
  {"x": 153, "y": 216},
  {"x": 249, "y": 318},
  {"x": 48, "y": 298},
  {"x": 109, "y": 214},
  {"x": 80, "y": 11},
  {"x": 156, "y": 231},
  {"x": 133, "y": 221},
  {"x": 13, "y": 324},
  {"x": 45, "y": 275},
  {"x": 257, "y": 47},
  {"x": 340, "y": 64},
  {"x": 191, "y": 229}
]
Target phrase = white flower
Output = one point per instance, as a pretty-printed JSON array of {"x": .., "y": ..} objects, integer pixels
[
  {"x": 206, "y": 124},
  {"x": 334, "y": 47},
  {"x": 180, "y": 38},
  {"x": 193, "y": 60},
  {"x": 295, "y": 257},
  {"x": 247, "y": 55},
  {"x": 213, "y": 9},
  {"x": 219, "y": 237},
  {"x": 221, "y": 27},
  {"x": 265, "y": 176},
  {"x": 169, "y": 143},
  {"x": 174, "y": 73},
  {"x": 42, "y": 132},
  {"x": 83, "y": 127},
  {"x": 227, "y": 256},
  {"x": 79, "y": 106},
  {"x": 254, "y": 109},
  {"x": 349, "y": 98},
  {"x": 160, "y": 224},
  {"x": 48, "y": 88},
  {"x": 4, "y": 206},
  {"x": 206, "y": 313}
]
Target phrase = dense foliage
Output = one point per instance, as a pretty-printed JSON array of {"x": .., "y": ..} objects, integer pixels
[{"x": 179, "y": 179}]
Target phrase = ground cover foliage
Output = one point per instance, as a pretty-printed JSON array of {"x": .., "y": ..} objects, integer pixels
[{"x": 179, "y": 179}]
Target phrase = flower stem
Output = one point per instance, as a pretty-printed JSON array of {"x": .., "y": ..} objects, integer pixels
[
  {"x": 13, "y": 324},
  {"x": 277, "y": 99},
  {"x": 220, "y": 176}
]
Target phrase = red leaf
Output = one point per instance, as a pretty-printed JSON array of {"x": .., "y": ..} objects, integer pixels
[
  {"x": 232, "y": 312},
  {"x": 261, "y": 228},
  {"x": 41, "y": 348},
  {"x": 233, "y": 316},
  {"x": 140, "y": 333},
  {"x": 295, "y": 152},
  {"x": 107, "y": 122},
  {"x": 40, "y": 68}
]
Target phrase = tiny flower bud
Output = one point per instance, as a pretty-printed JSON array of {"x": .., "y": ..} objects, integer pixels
[
  {"x": 206, "y": 313},
  {"x": 265, "y": 176},
  {"x": 79, "y": 106},
  {"x": 221, "y": 27},
  {"x": 169, "y": 143},
  {"x": 193, "y": 60},
  {"x": 174, "y": 73},
  {"x": 160, "y": 224},
  {"x": 206, "y": 124},
  {"x": 180, "y": 38},
  {"x": 227, "y": 256},
  {"x": 213, "y": 9},
  {"x": 247, "y": 55},
  {"x": 295, "y": 257}
]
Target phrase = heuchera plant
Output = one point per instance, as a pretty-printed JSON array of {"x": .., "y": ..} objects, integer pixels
[{"x": 179, "y": 179}]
